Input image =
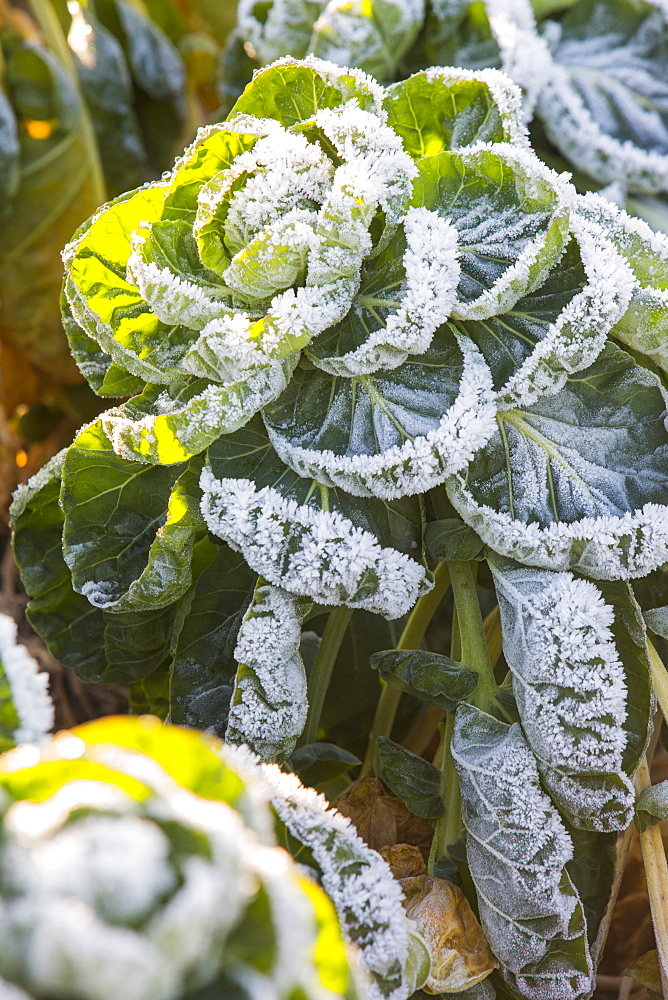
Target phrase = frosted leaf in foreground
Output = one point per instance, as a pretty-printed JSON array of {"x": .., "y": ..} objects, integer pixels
[
  {"x": 517, "y": 849},
  {"x": 134, "y": 860},
  {"x": 360, "y": 884},
  {"x": 570, "y": 688},
  {"x": 26, "y": 709}
]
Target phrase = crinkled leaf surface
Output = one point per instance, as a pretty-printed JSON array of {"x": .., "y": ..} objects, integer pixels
[
  {"x": 578, "y": 479},
  {"x": 431, "y": 677},
  {"x": 387, "y": 434},
  {"x": 129, "y": 528},
  {"x": 451, "y": 538},
  {"x": 311, "y": 539},
  {"x": 571, "y": 691},
  {"x": 121, "y": 647},
  {"x": 269, "y": 704},
  {"x": 518, "y": 849}
]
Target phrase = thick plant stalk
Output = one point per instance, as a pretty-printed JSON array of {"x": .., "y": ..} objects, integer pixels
[
  {"x": 656, "y": 872},
  {"x": 321, "y": 674},
  {"x": 659, "y": 678},
  {"x": 411, "y": 637},
  {"x": 450, "y": 822},
  {"x": 475, "y": 654},
  {"x": 474, "y": 651}
]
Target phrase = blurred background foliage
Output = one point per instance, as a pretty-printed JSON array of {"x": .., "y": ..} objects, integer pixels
[{"x": 96, "y": 97}]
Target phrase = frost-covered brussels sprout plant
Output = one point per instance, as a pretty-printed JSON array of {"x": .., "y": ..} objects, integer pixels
[{"x": 372, "y": 347}]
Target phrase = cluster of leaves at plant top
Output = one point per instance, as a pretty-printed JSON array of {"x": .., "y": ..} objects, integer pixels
[
  {"x": 95, "y": 98},
  {"x": 362, "y": 330},
  {"x": 593, "y": 71}
]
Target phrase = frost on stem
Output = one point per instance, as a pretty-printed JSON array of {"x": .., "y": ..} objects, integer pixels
[
  {"x": 269, "y": 704},
  {"x": 312, "y": 553},
  {"x": 359, "y": 882},
  {"x": 26, "y": 709},
  {"x": 517, "y": 849},
  {"x": 570, "y": 688}
]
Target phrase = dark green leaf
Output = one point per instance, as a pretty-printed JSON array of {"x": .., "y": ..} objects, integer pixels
[
  {"x": 129, "y": 528},
  {"x": 451, "y": 539},
  {"x": 203, "y": 668},
  {"x": 593, "y": 868},
  {"x": 431, "y": 677},
  {"x": 319, "y": 762},
  {"x": 412, "y": 778},
  {"x": 596, "y": 449}
]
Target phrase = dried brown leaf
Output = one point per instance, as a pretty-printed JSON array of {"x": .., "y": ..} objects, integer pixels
[
  {"x": 382, "y": 819},
  {"x": 459, "y": 950},
  {"x": 405, "y": 860}
]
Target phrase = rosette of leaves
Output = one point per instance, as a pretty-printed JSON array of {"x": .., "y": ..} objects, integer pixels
[
  {"x": 144, "y": 857},
  {"x": 363, "y": 331}
]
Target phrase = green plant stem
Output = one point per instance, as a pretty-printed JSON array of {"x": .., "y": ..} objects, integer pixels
[
  {"x": 321, "y": 674},
  {"x": 411, "y": 638},
  {"x": 449, "y": 823},
  {"x": 474, "y": 651},
  {"x": 656, "y": 873},
  {"x": 659, "y": 678}
]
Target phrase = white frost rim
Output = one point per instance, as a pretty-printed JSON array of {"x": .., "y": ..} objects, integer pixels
[
  {"x": 570, "y": 125},
  {"x": 269, "y": 704},
  {"x": 420, "y": 463},
  {"x": 432, "y": 276},
  {"x": 532, "y": 266},
  {"x": 610, "y": 547},
  {"x": 215, "y": 411},
  {"x": 579, "y": 334},
  {"x": 368, "y": 901},
  {"x": 308, "y": 552}
]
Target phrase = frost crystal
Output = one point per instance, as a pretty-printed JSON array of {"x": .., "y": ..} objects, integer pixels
[
  {"x": 28, "y": 687},
  {"x": 308, "y": 552},
  {"x": 517, "y": 849},
  {"x": 269, "y": 704},
  {"x": 579, "y": 334},
  {"x": 570, "y": 690},
  {"x": 422, "y": 461},
  {"x": 609, "y": 547},
  {"x": 359, "y": 882}
]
